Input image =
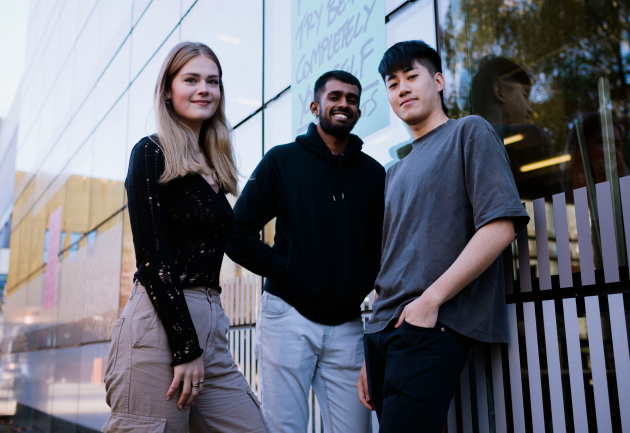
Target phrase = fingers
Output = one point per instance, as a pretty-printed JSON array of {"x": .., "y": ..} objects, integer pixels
[
  {"x": 195, "y": 390},
  {"x": 401, "y": 319},
  {"x": 362, "y": 388},
  {"x": 186, "y": 390},
  {"x": 363, "y": 393},
  {"x": 174, "y": 385}
]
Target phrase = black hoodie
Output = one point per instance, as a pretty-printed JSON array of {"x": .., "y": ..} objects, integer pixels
[{"x": 329, "y": 219}]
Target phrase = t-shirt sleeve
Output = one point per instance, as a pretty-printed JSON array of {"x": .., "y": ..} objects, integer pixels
[
  {"x": 156, "y": 264},
  {"x": 489, "y": 182}
]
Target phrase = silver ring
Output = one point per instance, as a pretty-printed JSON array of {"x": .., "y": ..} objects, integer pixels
[
  {"x": 195, "y": 385},
  {"x": 201, "y": 381}
]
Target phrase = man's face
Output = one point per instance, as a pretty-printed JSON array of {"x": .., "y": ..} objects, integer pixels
[
  {"x": 515, "y": 106},
  {"x": 414, "y": 93},
  {"x": 337, "y": 108}
]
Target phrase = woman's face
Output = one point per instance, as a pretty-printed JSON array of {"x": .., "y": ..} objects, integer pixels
[{"x": 195, "y": 92}]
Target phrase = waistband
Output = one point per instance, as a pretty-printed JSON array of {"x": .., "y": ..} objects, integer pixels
[{"x": 199, "y": 292}]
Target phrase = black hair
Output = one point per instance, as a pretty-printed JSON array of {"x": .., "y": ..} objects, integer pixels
[
  {"x": 343, "y": 76},
  {"x": 402, "y": 55}
]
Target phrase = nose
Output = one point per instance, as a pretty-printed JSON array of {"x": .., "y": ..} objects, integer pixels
[
  {"x": 343, "y": 102},
  {"x": 203, "y": 88},
  {"x": 403, "y": 88}
]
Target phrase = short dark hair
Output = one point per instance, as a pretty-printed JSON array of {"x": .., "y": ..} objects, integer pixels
[
  {"x": 343, "y": 76},
  {"x": 491, "y": 70},
  {"x": 402, "y": 55}
]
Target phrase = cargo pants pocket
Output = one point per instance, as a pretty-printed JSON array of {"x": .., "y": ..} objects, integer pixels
[
  {"x": 128, "y": 423},
  {"x": 113, "y": 351},
  {"x": 258, "y": 406}
]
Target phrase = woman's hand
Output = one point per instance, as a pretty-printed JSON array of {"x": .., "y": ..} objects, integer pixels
[{"x": 190, "y": 373}]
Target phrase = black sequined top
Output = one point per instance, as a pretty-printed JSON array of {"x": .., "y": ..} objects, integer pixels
[{"x": 180, "y": 230}]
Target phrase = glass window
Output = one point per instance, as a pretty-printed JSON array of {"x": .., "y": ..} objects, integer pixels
[
  {"x": 392, "y": 5},
  {"x": 277, "y": 128},
  {"x": 248, "y": 147},
  {"x": 108, "y": 166},
  {"x": 233, "y": 29},
  {"x": 115, "y": 24},
  {"x": 277, "y": 47},
  {"x": 151, "y": 31},
  {"x": 113, "y": 83},
  {"x": 414, "y": 21},
  {"x": 552, "y": 79},
  {"x": 141, "y": 115}
]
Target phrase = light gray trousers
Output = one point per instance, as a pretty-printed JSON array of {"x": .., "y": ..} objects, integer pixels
[
  {"x": 139, "y": 373},
  {"x": 294, "y": 354}
]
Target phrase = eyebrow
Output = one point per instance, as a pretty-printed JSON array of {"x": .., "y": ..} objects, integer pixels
[
  {"x": 340, "y": 92},
  {"x": 196, "y": 75},
  {"x": 404, "y": 71}
]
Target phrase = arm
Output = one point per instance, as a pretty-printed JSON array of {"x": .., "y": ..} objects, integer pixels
[
  {"x": 258, "y": 204},
  {"x": 480, "y": 252},
  {"x": 157, "y": 269}
]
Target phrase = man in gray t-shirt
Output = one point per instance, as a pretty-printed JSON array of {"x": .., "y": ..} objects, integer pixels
[{"x": 451, "y": 208}]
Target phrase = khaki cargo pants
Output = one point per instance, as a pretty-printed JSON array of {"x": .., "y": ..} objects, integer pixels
[{"x": 139, "y": 373}]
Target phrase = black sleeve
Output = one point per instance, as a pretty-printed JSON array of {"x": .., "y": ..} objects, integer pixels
[
  {"x": 258, "y": 204},
  {"x": 157, "y": 270}
]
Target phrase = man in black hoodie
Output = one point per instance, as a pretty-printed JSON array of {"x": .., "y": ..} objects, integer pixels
[{"x": 327, "y": 198}]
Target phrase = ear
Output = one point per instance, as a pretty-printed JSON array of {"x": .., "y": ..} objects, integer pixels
[
  {"x": 439, "y": 81},
  {"x": 358, "y": 114},
  {"x": 314, "y": 108},
  {"x": 498, "y": 92}
]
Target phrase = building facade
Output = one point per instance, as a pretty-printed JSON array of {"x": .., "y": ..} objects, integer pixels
[{"x": 553, "y": 78}]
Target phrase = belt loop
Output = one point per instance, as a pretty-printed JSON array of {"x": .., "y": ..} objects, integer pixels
[{"x": 133, "y": 291}]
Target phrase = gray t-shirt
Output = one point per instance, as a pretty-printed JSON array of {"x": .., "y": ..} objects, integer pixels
[{"x": 456, "y": 179}]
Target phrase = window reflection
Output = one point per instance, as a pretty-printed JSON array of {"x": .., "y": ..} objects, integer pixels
[
  {"x": 500, "y": 94},
  {"x": 545, "y": 75}
]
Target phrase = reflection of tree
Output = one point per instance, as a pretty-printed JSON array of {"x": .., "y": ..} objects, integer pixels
[{"x": 566, "y": 44}]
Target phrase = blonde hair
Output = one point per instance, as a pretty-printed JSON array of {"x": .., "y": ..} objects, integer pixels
[{"x": 178, "y": 142}]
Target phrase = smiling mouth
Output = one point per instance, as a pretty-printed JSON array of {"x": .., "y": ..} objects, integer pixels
[
  {"x": 406, "y": 101},
  {"x": 201, "y": 102},
  {"x": 341, "y": 116}
]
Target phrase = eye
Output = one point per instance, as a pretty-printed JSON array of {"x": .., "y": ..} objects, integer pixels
[
  {"x": 190, "y": 80},
  {"x": 411, "y": 77},
  {"x": 393, "y": 85},
  {"x": 214, "y": 82}
]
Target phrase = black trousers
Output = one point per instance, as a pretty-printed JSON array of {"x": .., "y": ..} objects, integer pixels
[{"x": 412, "y": 373}]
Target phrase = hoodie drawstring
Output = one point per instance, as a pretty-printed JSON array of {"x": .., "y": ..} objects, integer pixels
[
  {"x": 330, "y": 182},
  {"x": 341, "y": 175}
]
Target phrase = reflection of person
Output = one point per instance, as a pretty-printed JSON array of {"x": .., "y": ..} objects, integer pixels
[
  {"x": 327, "y": 197},
  {"x": 451, "y": 207},
  {"x": 181, "y": 222},
  {"x": 593, "y": 141},
  {"x": 500, "y": 94}
]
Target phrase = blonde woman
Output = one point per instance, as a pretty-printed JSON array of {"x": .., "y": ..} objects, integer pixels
[{"x": 169, "y": 369}]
